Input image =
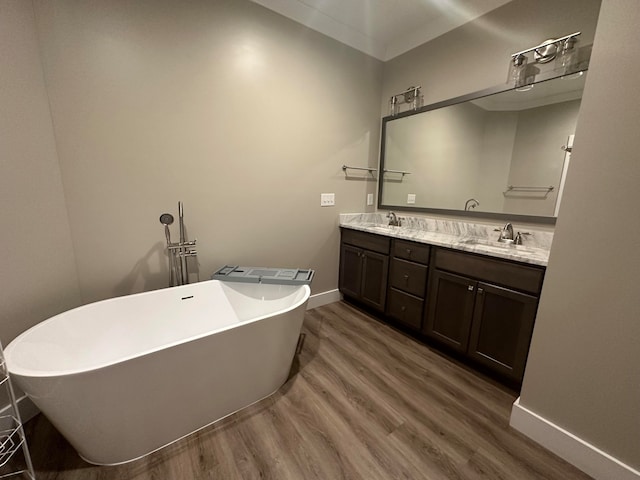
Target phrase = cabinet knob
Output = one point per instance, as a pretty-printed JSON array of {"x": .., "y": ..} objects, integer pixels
[
  {"x": 470, "y": 288},
  {"x": 406, "y": 278},
  {"x": 408, "y": 251},
  {"x": 403, "y": 308},
  {"x": 480, "y": 291}
]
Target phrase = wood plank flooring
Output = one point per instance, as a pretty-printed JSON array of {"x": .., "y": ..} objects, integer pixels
[{"x": 363, "y": 401}]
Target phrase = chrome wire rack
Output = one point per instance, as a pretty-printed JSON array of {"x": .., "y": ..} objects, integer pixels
[{"x": 15, "y": 461}]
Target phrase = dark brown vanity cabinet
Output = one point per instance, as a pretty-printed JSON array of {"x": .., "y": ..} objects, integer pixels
[
  {"x": 364, "y": 266},
  {"x": 483, "y": 308},
  {"x": 407, "y": 282}
]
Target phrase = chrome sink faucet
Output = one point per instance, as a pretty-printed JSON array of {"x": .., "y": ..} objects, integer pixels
[
  {"x": 506, "y": 234},
  {"x": 394, "y": 221}
]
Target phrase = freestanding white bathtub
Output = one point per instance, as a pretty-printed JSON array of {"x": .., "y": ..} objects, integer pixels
[{"x": 124, "y": 377}]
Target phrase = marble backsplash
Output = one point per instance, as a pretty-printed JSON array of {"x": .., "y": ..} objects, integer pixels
[{"x": 537, "y": 238}]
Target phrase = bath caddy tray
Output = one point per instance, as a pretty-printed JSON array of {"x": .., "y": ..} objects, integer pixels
[{"x": 278, "y": 276}]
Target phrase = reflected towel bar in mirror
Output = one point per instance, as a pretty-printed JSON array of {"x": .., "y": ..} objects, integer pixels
[
  {"x": 402, "y": 172},
  {"x": 524, "y": 189},
  {"x": 347, "y": 167},
  {"x": 515, "y": 188}
]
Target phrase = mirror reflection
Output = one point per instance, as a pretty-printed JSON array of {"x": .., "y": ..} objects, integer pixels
[{"x": 504, "y": 153}]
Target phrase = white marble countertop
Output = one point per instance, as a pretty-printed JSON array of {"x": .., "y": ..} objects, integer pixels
[{"x": 456, "y": 235}]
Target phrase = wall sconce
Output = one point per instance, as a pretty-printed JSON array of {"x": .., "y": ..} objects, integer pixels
[
  {"x": 563, "y": 50},
  {"x": 411, "y": 96}
]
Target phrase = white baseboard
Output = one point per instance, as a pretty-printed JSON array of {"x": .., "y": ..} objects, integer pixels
[
  {"x": 323, "y": 298},
  {"x": 586, "y": 457},
  {"x": 26, "y": 409}
]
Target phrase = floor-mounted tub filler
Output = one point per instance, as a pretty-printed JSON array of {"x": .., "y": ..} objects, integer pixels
[{"x": 123, "y": 377}]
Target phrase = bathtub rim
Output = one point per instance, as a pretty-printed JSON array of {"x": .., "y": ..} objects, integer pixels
[{"x": 30, "y": 373}]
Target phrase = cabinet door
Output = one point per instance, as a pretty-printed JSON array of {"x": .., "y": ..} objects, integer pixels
[
  {"x": 375, "y": 267},
  {"x": 501, "y": 329},
  {"x": 450, "y": 309},
  {"x": 350, "y": 270}
]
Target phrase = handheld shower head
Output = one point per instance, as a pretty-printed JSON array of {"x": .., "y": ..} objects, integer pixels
[{"x": 166, "y": 219}]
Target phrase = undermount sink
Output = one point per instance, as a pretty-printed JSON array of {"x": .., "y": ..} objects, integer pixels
[
  {"x": 494, "y": 244},
  {"x": 381, "y": 226}
]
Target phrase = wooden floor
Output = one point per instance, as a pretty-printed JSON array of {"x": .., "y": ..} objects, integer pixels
[{"x": 363, "y": 401}]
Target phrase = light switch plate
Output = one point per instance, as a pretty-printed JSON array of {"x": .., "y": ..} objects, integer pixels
[
  {"x": 411, "y": 198},
  {"x": 327, "y": 199},
  {"x": 369, "y": 198}
]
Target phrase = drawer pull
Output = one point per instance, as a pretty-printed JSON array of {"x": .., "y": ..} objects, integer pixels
[
  {"x": 403, "y": 308},
  {"x": 406, "y": 278},
  {"x": 470, "y": 288},
  {"x": 408, "y": 251},
  {"x": 480, "y": 291}
]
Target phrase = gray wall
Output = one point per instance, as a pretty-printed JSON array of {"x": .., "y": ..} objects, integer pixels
[
  {"x": 243, "y": 115},
  {"x": 583, "y": 372},
  {"x": 38, "y": 274}
]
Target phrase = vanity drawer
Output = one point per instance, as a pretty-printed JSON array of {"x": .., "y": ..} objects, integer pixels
[
  {"x": 405, "y": 308},
  {"x": 512, "y": 275},
  {"x": 415, "y": 252},
  {"x": 408, "y": 276},
  {"x": 368, "y": 241}
]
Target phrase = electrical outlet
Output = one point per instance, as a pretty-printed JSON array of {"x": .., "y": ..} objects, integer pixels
[
  {"x": 327, "y": 199},
  {"x": 411, "y": 198},
  {"x": 369, "y": 198}
]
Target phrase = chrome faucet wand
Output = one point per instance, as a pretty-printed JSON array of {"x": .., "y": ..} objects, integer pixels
[
  {"x": 179, "y": 251},
  {"x": 184, "y": 272}
]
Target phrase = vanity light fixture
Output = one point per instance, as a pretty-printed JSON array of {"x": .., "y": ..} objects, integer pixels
[
  {"x": 411, "y": 96},
  {"x": 563, "y": 50}
]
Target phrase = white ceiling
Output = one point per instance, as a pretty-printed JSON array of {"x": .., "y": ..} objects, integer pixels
[{"x": 382, "y": 28}]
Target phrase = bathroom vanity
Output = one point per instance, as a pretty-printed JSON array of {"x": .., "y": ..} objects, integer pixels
[{"x": 463, "y": 293}]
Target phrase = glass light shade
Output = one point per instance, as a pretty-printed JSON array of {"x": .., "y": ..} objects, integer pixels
[
  {"x": 567, "y": 60},
  {"x": 517, "y": 71},
  {"x": 393, "y": 106}
]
